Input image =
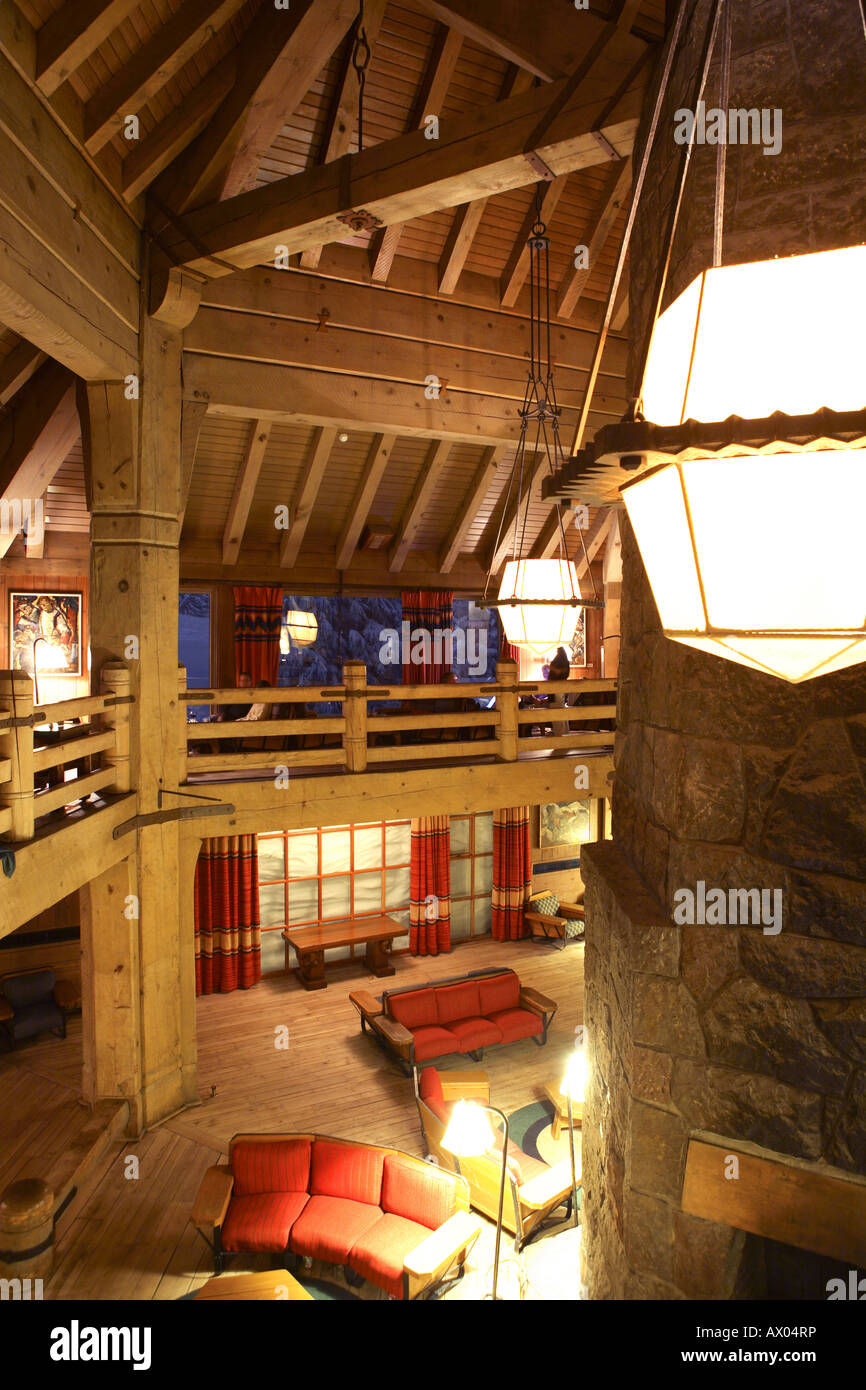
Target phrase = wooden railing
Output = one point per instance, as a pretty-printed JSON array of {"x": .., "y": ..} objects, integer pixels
[
  {"x": 26, "y": 755},
  {"x": 355, "y": 739}
]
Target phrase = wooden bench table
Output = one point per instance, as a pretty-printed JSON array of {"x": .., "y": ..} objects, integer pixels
[{"x": 312, "y": 942}]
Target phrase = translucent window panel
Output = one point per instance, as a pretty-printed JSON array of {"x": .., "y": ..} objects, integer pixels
[
  {"x": 396, "y": 888},
  {"x": 272, "y": 858},
  {"x": 272, "y": 905},
  {"x": 483, "y": 873},
  {"x": 461, "y": 878},
  {"x": 483, "y": 911},
  {"x": 273, "y": 954},
  {"x": 338, "y": 953},
  {"x": 401, "y": 916},
  {"x": 335, "y": 852},
  {"x": 304, "y": 901},
  {"x": 397, "y": 844},
  {"x": 459, "y": 836},
  {"x": 461, "y": 919},
  {"x": 368, "y": 847},
  {"x": 484, "y": 834},
  {"x": 368, "y": 892},
  {"x": 335, "y": 897},
  {"x": 303, "y": 855}
]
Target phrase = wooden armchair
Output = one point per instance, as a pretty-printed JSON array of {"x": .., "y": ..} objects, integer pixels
[
  {"x": 545, "y": 927},
  {"x": 534, "y": 1190}
]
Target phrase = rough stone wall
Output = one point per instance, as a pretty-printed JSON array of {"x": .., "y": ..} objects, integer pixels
[{"x": 728, "y": 776}]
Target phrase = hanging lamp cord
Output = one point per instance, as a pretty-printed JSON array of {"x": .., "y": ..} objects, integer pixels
[{"x": 360, "y": 62}]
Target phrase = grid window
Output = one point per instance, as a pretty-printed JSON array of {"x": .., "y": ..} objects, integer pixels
[{"x": 471, "y": 874}]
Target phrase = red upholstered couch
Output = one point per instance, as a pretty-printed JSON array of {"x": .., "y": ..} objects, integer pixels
[
  {"x": 465, "y": 1015},
  {"x": 384, "y": 1215}
]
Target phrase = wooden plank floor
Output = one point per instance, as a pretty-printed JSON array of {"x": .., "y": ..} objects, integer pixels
[{"x": 126, "y": 1235}]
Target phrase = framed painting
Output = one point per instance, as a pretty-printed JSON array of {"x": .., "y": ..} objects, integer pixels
[
  {"x": 565, "y": 823},
  {"x": 45, "y": 633},
  {"x": 577, "y": 649}
]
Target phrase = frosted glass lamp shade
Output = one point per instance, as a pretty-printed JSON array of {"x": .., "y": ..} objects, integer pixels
[
  {"x": 749, "y": 340},
  {"x": 469, "y": 1133},
  {"x": 545, "y": 624},
  {"x": 301, "y": 627},
  {"x": 725, "y": 544}
]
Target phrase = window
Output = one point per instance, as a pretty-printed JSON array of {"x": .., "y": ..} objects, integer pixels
[
  {"x": 193, "y": 645},
  {"x": 310, "y": 876},
  {"x": 471, "y": 874}
]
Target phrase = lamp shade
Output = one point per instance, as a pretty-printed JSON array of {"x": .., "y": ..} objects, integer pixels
[
  {"x": 574, "y": 1081},
  {"x": 543, "y": 623},
  {"x": 469, "y": 1133},
  {"x": 724, "y": 535},
  {"x": 301, "y": 627}
]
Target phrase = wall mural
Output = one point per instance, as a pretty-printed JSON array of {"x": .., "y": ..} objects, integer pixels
[{"x": 565, "y": 823}]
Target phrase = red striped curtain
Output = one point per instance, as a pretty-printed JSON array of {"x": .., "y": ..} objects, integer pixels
[
  {"x": 431, "y": 610},
  {"x": 227, "y": 936},
  {"x": 258, "y": 616},
  {"x": 512, "y": 872},
  {"x": 430, "y": 886}
]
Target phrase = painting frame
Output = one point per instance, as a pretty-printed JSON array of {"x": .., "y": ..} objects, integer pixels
[
  {"x": 566, "y": 823},
  {"x": 55, "y": 616}
]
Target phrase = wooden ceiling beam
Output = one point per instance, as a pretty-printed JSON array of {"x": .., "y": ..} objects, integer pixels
[
  {"x": 277, "y": 61},
  {"x": 344, "y": 114},
  {"x": 34, "y": 540},
  {"x": 547, "y": 541},
  {"x": 181, "y": 126},
  {"x": 37, "y": 437},
  {"x": 550, "y": 41},
  {"x": 431, "y": 470},
  {"x": 302, "y": 510},
  {"x": 619, "y": 318},
  {"x": 72, "y": 34},
  {"x": 479, "y": 488},
  {"x": 245, "y": 487},
  {"x": 431, "y": 95},
  {"x": 613, "y": 197},
  {"x": 17, "y": 369},
  {"x": 478, "y": 153},
  {"x": 374, "y": 471},
  {"x": 152, "y": 66}
]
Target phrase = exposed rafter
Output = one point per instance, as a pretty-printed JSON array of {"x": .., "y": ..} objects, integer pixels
[
  {"x": 72, "y": 34},
  {"x": 547, "y": 541},
  {"x": 613, "y": 197},
  {"x": 170, "y": 138},
  {"x": 302, "y": 508},
  {"x": 480, "y": 486},
  {"x": 192, "y": 419},
  {"x": 431, "y": 470},
  {"x": 517, "y": 268},
  {"x": 374, "y": 470},
  {"x": 17, "y": 369},
  {"x": 36, "y": 437},
  {"x": 245, "y": 487}
]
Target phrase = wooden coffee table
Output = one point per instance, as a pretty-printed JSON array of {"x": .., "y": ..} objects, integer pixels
[
  {"x": 277, "y": 1285},
  {"x": 560, "y": 1108}
]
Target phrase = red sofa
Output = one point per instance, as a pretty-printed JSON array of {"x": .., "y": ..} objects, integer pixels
[
  {"x": 465, "y": 1015},
  {"x": 383, "y": 1215}
]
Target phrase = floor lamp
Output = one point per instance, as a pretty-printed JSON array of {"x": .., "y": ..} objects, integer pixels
[
  {"x": 574, "y": 1089},
  {"x": 469, "y": 1135}
]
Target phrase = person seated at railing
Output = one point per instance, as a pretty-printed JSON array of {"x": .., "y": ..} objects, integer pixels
[
  {"x": 558, "y": 670},
  {"x": 256, "y": 713}
]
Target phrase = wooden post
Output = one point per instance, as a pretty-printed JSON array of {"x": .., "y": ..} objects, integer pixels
[
  {"x": 114, "y": 679},
  {"x": 182, "y": 712},
  {"x": 110, "y": 991},
  {"x": 355, "y": 714},
  {"x": 16, "y": 795},
  {"x": 507, "y": 705}
]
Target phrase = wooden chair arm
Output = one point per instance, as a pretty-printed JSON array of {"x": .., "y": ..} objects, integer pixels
[
  {"x": 544, "y": 919},
  {"x": 212, "y": 1201},
  {"x": 393, "y": 1031},
  {"x": 536, "y": 1001},
  {"x": 465, "y": 1085},
  {"x": 366, "y": 1003},
  {"x": 6, "y": 1011},
  {"x": 437, "y": 1250},
  {"x": 573, "y": 911},
  {"x": 544, "y": 1190},
  {"x": 67, "y": 995}
]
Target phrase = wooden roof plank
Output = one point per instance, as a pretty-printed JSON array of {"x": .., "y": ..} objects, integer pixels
[
  {"x": 374, "y": 470},
  {"x": 72, "y": 34},
  {"x": 180, "y": 127},
  {"x": 17, "y": 369},
  {"x": 613, "y": 197}
]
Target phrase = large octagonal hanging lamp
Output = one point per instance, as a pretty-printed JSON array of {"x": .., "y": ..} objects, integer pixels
[{"x": 539, "y": 599}]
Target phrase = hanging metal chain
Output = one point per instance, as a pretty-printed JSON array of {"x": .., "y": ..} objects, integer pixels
[{"x": 361, "y": 54}]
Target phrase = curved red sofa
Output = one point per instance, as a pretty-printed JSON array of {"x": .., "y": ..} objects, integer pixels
[{"x": 384, "y": 1215}]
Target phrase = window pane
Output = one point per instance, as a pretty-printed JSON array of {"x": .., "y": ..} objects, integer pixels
[
  {"x": 483, "y": 911},
  {"x": 193, "y": 645},
  {"x": 304, "y": 901},
  {"x": 335, "y": 897},
  {"x": 484, "y": 873},
  {"x": 403, "y": 918},
  {"x": 303, "y": 855},
  {"x": 273, "y": 955},
  {"x": 459, "y": 836},
  {"x": 368, "y": 892},
  {"x": 397, "y": 844},
  {"x": 335, "y": 851},
  {"x": 368, "y": 847},
  {"x": 272, "y": 905},
  {"x": 272, "y": 858},
  {"x": 483, "y": 834},
  {"x": 396, "y": 888},
  {"x": 460, "y": 919},
  {"x": 460, "y": 879}
]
